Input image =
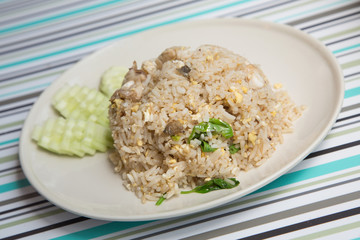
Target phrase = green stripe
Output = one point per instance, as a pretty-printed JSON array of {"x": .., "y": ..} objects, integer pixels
[
  {"x": 352, "y": 79},
  {"x": 354, "y": 63},
  {"x": 122, "y": 34},
  {"x": 44, "y": 85},
  {"x": 311, "y": 10},
  {"x": 352, "y": 92},
  {"x": 101, "y": 230},
  {"x": 334, "y": 35},
  {"x": 347, "y": 131},
  {"x": 9, "y": 158},
  {"x": 9, "y": 141},
  {"x": 25, "y": 220},
  {"x": 313, "y": 172},
  {"x": 12, "y": 124},
  {"x": 330, "y": 231},
  {"x": 14, "y": 185},
  {"x": 44, "y": 20},
  {"x": 18, "y": 171},
  {"x": 32, "y": 79}
]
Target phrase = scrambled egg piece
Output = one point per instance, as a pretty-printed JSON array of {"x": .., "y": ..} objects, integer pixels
[
  {"x": 252, "y": 137},
  {"x": 278, "y": 85}
]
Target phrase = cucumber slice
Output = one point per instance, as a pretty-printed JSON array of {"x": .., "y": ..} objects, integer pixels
[
  {"x": 72, "y": 136},
  {"x": 82, "y": 103},
  {"x": 112, "y": 79}
]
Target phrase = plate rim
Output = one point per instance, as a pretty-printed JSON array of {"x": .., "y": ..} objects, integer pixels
[{"x": 224, "y": 199}]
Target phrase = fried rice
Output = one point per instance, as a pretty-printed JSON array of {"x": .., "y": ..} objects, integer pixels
[{"x": 154, "y": 112}]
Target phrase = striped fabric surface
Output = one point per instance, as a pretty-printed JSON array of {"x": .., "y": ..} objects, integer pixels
[{"x": 318, "y": 199}]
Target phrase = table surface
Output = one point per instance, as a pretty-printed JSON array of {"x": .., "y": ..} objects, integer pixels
[{"x": 41, "y": 39}]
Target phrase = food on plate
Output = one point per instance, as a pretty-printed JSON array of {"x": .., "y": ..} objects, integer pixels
[
  {"x": 80, "y": 102},
  {"x": 112, "y": 79},
  {"x": 189, "y": 117},
  {"x": 83, "y": 127},
  {"x": 213, "y": 185},
  {"x": 74, "y": 137}
]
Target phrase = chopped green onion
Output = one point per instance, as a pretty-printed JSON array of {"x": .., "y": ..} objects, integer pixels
[
  {"x": 233, "y": 149},
  {"x": 161, "y": 199},
  {"x": 175, "y": 138},
  {"x": 213, "y": 185}
]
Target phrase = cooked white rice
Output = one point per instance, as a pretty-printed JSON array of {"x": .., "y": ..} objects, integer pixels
[{"x": 215, "y": 83}]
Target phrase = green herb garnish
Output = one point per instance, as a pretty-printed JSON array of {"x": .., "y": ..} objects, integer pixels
[
  {"x": 213, "y": 185},
  {"x": 161, "y": 199},
  {"x": 233, "y": 149},
  {"x": 214, "y": 125},
  {"x": 205, "y": 147}
]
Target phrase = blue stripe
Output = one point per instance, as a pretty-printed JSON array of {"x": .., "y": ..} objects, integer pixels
[
  {"x": 29, "y": 24},
  {"x": 101, "y": 230},
  {"x": 352, "y": 92},
  {"x": 313, "y": 172},
  {"x": 121, "y": 35},
  {"x": 14, "y": 185},
  {"x": 346, "y": 48},
  {"x": 9, "y": 141}
]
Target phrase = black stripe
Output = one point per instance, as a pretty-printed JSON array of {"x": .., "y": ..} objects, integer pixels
[
  {"x": 20, "y": 198},
  {"x": 348, "y": 53},
  {"x": 334, "y": 19},
  {"x": 17, "y": 6},
  {"x": 16, "y": 108},
  {"x": 351, "y": 75},
  {"x": 243, "y": 209},
  {"x": 346, "y": 124},
  {"x": 28, "y": 95},
  {"x": 349, "y": 117},
  {"x": 15, "y": 112},
  {"x": 58, "y": 38},
  {"x": 25, "y": 206},
  {"x": 9, "y": 169},
  {"x": 332, "y": 25},
  {"x": 333, "y": 149},
  {"x": 305, "y": 224},
  {"x": 344, "y": 39},
  {"x": 43, "y": 67},
  {"x": 47, "y": 228},
  {"x": 11, "y": 131},
  {"x": 10, "y": 146}
]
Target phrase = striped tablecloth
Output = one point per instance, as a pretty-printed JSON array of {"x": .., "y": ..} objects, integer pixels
[{"x": 40, "y": 39}]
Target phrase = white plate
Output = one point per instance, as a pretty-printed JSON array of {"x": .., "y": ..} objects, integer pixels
[{"x": 89, "y": 187}]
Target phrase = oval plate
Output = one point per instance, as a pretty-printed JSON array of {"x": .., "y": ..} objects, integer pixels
[{"x": 89, "y": 186}]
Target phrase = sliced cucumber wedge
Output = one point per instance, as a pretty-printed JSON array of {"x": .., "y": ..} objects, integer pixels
[
  {"x": 74, "y": 137},
  {"x": 82, "y": 103},
  {"x": 112, "y": 79}
]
